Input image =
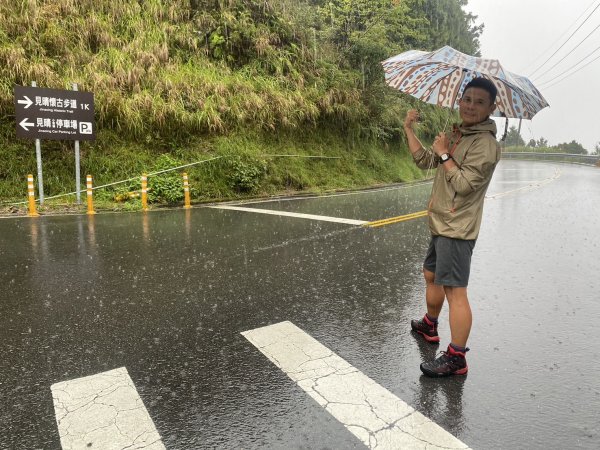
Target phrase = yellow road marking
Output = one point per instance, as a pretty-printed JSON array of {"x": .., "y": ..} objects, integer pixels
[{"x": 391, "y": 220}]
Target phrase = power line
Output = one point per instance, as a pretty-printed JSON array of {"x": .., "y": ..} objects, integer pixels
[
  {"x": 568, "y": 39},
  {"x": 564, "y": 33},
  {"x": 575, "y": 48},
  {"x": 595, "y": 59},
  {"x": 570, "y": 68}
]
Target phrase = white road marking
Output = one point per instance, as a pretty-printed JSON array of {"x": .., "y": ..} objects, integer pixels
[
  {"x": 529, "y": 187},
  {"x": 515, "y": 181},
  {"x": 408, "y": 185},
  {"x": 528, "y": 169},
  {"x": 373, "y": 414},
  {"x": 291, "y": 214},
  {"x": 103, "y": 411}
]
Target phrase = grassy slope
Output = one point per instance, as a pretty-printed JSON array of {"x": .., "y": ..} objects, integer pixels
[
  {"x": 160, "y": 102},
  {"x": 364, "y": 165}
]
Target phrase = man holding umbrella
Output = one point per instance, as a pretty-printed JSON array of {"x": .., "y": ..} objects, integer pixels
[{"x": 465, "y": 161}]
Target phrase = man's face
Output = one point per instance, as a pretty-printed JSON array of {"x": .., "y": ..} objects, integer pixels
[{"x": 475, "y": 106}]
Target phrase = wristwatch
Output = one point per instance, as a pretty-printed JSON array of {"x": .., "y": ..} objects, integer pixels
[{"x": 445, "y": 157}]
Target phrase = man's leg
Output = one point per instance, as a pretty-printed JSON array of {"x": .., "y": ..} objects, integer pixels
[
  {"x": 452, "y": 269},
  {"x": 453, "y": 360},
  {"x": 434, "y": 298},
  {"x": 460, "y": 315},
  {"x": 434, "y": 294}
]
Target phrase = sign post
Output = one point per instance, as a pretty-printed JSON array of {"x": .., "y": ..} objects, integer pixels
[
  {"x": 77, "y": 169},
  {"x": 38, "y": 151},
  {"x": 54, "y": 114}
]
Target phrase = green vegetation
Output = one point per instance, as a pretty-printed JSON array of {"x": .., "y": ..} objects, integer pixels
[
  {"x": 180, "y": 81},
  {"x": 515, "y": 143},
  {"x": 528, "y": 149}
]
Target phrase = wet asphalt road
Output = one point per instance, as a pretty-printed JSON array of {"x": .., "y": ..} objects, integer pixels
[{"x": 167, "y": 293}]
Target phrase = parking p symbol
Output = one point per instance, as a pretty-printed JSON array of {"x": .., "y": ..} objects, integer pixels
[{"x": 85, "y": 127}]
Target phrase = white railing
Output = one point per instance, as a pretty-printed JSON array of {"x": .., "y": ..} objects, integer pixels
[{"x": 589, "y": 160}]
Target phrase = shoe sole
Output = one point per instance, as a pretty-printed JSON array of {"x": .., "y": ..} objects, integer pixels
[
  {"x": 431, "y": 374},
  {"x": 432, "y": 339}
]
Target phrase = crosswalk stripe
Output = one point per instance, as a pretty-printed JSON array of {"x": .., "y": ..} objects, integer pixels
[
  {"x": 373, "y": 414},
  {"x": 292, "y": 214},
  {"x": 103, "y": 411}
]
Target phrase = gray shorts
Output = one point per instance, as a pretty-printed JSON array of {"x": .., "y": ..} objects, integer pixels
[{"x": 450, "y": 260}]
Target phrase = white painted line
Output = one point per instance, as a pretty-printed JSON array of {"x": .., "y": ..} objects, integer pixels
[
  {"x": 529, "y": 187},
  {"x": 516, "y": 181},
  {"x": 373, "y": 414},
  {"x": 103, "y": 411},
  {"x": 408, "y": 185},
  {"x": 291, "y": 214},
  {"x": 521, "y": 169}
]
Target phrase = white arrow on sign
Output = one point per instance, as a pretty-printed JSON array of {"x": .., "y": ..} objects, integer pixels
[
  {"x": 27, "y": 102},
  {"x": 26, "y": 124}
]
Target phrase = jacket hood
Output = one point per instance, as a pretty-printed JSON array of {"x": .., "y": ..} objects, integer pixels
[{"x": 486, "y": 126}]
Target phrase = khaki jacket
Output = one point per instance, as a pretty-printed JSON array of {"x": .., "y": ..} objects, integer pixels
[{"x": 456, "y": 203}]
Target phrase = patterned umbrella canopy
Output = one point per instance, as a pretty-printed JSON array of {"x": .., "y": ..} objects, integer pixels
[{"x": 439, "y": 78}]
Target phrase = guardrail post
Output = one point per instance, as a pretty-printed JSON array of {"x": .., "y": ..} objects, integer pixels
[
  {"x": 90, "y": 200},
  {"x": 31, "y": 197},
  {"x": 186, "y": 191},
  {"x": 144, "y": 192}
]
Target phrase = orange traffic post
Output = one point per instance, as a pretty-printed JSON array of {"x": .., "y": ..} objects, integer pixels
[
  {"x": 186, "y": 191},
  {"x": 31, "y": 195},
  {"x": 90, "y": 200},
  {"x": 144, "y": 192}
]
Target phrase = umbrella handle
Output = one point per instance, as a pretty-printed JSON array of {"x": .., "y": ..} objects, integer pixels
[{"x": 505, "y": 127}]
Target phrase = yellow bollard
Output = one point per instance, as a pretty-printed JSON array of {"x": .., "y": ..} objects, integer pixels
[
  {"x": 144, "y": 192},
  {"x": 90, "y": 200},
  {"x": 186, "y": 191},
  {"x": 31, "y": 195}
]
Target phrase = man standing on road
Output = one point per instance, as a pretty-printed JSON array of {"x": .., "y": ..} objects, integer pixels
[{"x": 465, "y": 161}]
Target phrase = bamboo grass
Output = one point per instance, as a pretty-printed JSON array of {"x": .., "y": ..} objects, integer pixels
[{"x": 171, "y": 77}]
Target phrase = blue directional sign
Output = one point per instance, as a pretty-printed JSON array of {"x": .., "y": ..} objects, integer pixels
[{"x": 54, "y": 114}]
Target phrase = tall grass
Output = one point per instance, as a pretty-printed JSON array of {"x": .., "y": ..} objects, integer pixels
[
  {"x": 143, "y": 64},
  {"x": 159, "y": 87}
]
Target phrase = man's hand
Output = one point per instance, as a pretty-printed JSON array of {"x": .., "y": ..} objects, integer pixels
[
  {"x": 414, "y": 145},
  {"x": 441, "y": 144},
  {"x": 412, "y": 116}
]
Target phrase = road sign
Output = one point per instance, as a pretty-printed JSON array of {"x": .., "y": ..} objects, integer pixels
[{"x": 54, "y": 114}]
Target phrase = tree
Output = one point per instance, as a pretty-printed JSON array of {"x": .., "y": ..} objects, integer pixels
[
  {"x": 542, "y": 142},
  {"x": 513, "y": 138},
  {"x": 369, "y": 31},
  {"x": 573, "y": 147},
  {"x": 597, "y": 148},
  {"x": 449, "y": 24},
  {"x": 532, "y": 143}
]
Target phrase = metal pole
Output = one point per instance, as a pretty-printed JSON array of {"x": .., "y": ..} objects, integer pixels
[
  {"x": 38, "y": 155},
  {"x": 77, "y": 168}
]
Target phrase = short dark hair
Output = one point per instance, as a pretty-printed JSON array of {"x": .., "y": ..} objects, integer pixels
[{"x": 485, "y": 84}]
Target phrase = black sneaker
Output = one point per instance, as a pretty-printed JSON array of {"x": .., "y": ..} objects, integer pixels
[
  {"x": 426, "y": 328},
  {"x": 448, "y": 363}
]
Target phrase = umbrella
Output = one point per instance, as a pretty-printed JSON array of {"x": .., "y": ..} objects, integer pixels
[{"x": 439, "y": 77}]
